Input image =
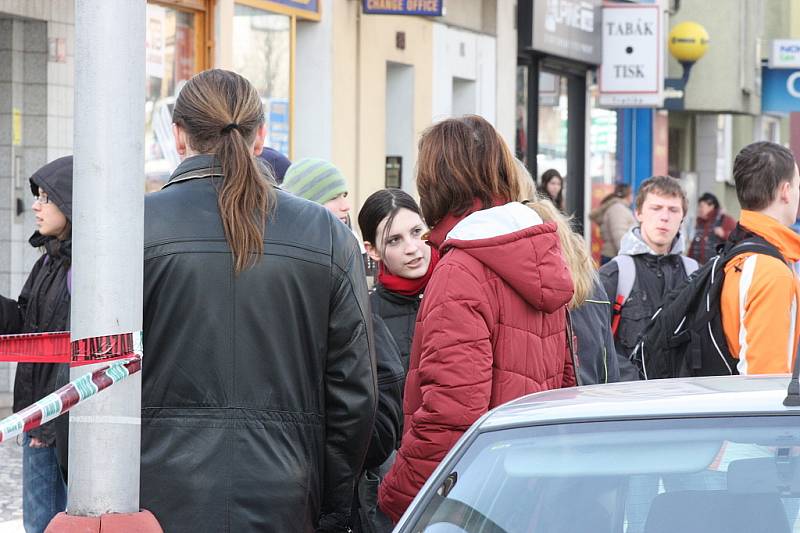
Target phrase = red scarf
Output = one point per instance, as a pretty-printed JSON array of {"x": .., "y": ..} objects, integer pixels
[{"x": 405, "y": 286}]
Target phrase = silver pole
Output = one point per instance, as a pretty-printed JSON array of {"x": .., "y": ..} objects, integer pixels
[{"x": 108, "y": 199}]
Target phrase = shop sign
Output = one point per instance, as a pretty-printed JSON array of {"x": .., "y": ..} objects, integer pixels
[
  {"x": 567, "y": 28},
  {"x": 632, "y": 71},
  {"x": 784, "y": 53},
  {"x": 780, "y": 90},
  {"x": 278, "y": 125},
  {"x": 429, "y": 8}
]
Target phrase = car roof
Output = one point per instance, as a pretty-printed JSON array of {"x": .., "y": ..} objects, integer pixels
[{"x": 663, "y": 398}]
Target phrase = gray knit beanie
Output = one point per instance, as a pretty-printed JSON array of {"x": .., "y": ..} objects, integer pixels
[{"x": 314, "y": 179}]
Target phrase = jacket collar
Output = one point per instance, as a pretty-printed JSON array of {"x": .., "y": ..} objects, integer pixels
[
  {"x": 196, "y": 167},
  {"x": 207, "y": 166},
  {"x": 439, "y": 232},
  {"x": 780, "y": 236},
  {"x": 633, "y": 244}
]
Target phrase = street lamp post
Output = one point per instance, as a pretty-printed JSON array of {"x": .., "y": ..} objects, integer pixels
[{"x": 105, "y": 434}]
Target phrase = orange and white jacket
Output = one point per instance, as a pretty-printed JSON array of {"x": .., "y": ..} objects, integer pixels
[{"x": 759, "y": 302}]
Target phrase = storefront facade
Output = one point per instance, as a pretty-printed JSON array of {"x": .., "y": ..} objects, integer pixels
[{"x": 558, "y": 124}]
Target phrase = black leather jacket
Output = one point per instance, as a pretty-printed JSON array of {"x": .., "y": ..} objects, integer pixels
[{"x": 259, "y": 389}]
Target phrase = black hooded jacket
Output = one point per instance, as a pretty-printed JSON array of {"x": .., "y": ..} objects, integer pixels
[
  {"x": 258, "y": 388},
  {"x": 399, "y": 313},
  {"x": 43, "y": 305}
]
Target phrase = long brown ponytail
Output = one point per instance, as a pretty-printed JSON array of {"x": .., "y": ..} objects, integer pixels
[{"x": 221, "y": 112}]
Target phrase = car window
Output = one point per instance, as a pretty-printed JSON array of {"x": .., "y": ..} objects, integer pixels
[{"x": 734, "y": 474}]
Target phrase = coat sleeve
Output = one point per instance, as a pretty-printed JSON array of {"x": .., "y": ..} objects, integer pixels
[
  {"x": 728, "y": 225},
  {"x": 768, "y": 330},
  {"x": 569, "y": 379},
  {"x": 610, "y": 350},
  {"x": 12, "y": 312},
  {"x": 350, "y": 389},
  {"x": 454, "y": 378},
  {"x": 389, "y": 416}
]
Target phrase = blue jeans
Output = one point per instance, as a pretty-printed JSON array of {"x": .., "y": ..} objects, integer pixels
[{"x": 44, "y": 493}]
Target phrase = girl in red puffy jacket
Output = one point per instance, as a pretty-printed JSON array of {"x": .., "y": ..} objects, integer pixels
[{"x": 492, "y": 325}]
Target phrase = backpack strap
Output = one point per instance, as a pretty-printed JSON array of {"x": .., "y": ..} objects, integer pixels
[
  {"x": 755, "y": 244},
  {"x": 69, "y": 281},
  {"x": 689, "y": 265},
  {"x": 626, "y": 277}
]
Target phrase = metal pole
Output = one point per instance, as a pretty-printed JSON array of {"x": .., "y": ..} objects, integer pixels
[
  {"x": 533, "y": 118},
  {"x": 108, "y": 245},
  {"x": 576, "y": 147}
]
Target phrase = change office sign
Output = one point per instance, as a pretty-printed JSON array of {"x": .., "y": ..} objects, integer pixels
[
  {"x": 632, "y": 71},
  {"x": 430, "y": 8}
]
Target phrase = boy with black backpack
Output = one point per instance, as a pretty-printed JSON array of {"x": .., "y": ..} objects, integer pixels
[
  {"x": 738, "y": 314},
  {"x": 648, "y": 267}
]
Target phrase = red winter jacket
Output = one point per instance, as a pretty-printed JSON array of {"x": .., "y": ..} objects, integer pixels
[{"x": 491, "y": 328}]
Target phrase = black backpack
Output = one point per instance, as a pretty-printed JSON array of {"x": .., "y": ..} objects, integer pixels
[{"x": 685, "y": 337}]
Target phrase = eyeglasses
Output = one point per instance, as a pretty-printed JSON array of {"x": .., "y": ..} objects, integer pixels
[{"x": 42, "y": 199}]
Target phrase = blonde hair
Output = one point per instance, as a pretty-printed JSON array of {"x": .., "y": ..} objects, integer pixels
[{"x": 574, "y": 247}]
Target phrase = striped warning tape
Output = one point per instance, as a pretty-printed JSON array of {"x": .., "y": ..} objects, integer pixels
[
  {"x": 68, "y": 396},
  {"x": 55, "y": 347}
]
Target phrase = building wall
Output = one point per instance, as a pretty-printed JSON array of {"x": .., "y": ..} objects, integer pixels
[
  {"x": 465, "y": 70},
  {"x": 476, "y": 15},
  {"x": 314, "y": 67},
  {"x": 725, "y": 80},
  {"x": 506, "y": 79},
  {"x": 377, "y": 48}
]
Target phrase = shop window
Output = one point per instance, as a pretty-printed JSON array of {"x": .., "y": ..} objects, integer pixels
[
  {"x": 174, "y": 53},
  {"x": 262, "y": 48}
]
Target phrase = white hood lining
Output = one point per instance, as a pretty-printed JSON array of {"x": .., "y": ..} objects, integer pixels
[{"x": 494, "y": 222}]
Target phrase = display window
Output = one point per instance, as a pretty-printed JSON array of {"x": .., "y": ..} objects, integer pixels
[{"x": 177, "y": 48}]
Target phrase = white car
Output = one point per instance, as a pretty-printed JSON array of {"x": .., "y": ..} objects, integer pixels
[{"x": 700, "y": 455}]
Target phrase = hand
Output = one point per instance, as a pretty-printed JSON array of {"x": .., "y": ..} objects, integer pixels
[
  {"x": 719, "y": 232},
  {"x": 36, "y": 443}
]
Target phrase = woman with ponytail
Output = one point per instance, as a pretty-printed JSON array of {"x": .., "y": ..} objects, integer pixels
[{"x": 258, "y": 390}]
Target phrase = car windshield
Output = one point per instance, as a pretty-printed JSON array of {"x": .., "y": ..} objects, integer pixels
[{"x": 735, "y": 474}]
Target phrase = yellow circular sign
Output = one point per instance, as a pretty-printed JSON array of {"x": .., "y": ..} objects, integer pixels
[{"x": 688, "y": 41}]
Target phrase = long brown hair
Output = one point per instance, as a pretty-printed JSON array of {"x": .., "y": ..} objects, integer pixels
[
  {"x": 460, "y": 160},
  {"x": 576, "y": 251},
  {"x": 221, "y": 112}
]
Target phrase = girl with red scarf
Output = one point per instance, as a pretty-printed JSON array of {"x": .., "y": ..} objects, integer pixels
[{"x": 393, "y": 230}]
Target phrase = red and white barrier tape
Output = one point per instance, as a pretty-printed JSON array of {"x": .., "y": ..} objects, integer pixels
[{"x": 68, "y": 396}]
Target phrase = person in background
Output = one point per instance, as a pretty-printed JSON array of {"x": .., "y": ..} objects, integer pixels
[
  {"x": 712, "y": 228},
  {"x": 259, "y": 389},
  {"x": 276, "y": 162},
  {"x": 615, "y": 218},
  {"x": 42, "y": 306},
  {"x": 322, "y": 182},
  {"x": 391, "y": 222},
  {"x": 492, "y": 324},
  {"x": 590, "y": 308},
  {"x": 319, "y": 181},
  {"x": 551, "y": 185}
]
